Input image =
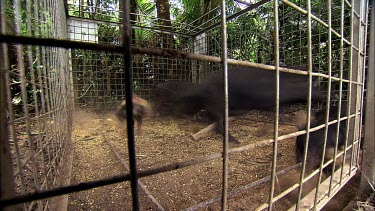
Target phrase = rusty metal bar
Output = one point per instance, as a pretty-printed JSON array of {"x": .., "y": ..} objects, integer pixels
[
  {"x": 129, "y": 105},
  {"x": 151, "y": 51}
]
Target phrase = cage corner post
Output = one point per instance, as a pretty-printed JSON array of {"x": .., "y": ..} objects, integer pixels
[{"x": 368, "y": 156}]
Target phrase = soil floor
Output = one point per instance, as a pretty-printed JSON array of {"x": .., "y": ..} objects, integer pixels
[{"x": 168, "y": 140}]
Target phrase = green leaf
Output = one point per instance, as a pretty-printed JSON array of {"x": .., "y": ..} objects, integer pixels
[{"x": 16, "y": 100}]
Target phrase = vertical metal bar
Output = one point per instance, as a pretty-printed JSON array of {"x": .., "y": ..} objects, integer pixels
[
  {"x": 337, "y": 133},
  {"x": 329, "y": 10},
  {"x": 7, "y": 183},
  {"x": 353, "y": 155},
  {"x": 34, "y": 87},
  {"x": 224, "y": 54},
  {"x": 45, "y": 84},
  {"x": 309, "y": 45},
  {"x": 40, "y": 77},
  {"x": 10, "y": 111},
  {"x": 276, "y": 120},
  {"x": 341, "y": 77},
  {"x": 366, "y": 11},
  {"x": 348, "y": 107},
  {"x": 53, "y": 96},
  {"x": 361, "y": 70},
  {"x": 21, "y": 68},
  {"x": 129, "y": 103},
  {"x": 352, "y": 159},
  {"x": 368, "y": 156}
]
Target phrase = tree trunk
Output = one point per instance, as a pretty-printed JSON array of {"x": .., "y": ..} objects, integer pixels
[
  {"x": 166, "y": 39},
  {"x": 164, "y": 17}
]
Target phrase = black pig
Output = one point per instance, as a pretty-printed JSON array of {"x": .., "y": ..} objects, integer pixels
[
  {"x": 249, "y": 88},
  {"x": 169, "y": 98},
  {"x": 316, "y": 138}
]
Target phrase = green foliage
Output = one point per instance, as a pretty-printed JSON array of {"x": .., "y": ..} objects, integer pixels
[
  {"x": 20, "y": 55},
  {"x": 250, "y": 37},
  {"x": 190, "y": 12}
]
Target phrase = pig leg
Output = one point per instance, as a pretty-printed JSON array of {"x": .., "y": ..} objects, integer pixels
[
  {"x": 220, "y": 129},
  {"x": 139, "y": 126}
]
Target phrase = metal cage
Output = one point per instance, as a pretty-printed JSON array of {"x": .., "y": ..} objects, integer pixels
[{"x": 58, "y": 57}]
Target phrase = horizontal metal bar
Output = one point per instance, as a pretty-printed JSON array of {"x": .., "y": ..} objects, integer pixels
[{"x": 172, "y": 53}]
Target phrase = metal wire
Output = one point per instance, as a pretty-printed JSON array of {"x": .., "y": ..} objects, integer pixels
[
  {"x": 364, "y": 74},
  {"x": 350, "y": 87},
  {"x": 329, "y": 8},
  {"x": 359, "y": 89},
  {"x": 355, "y": 5},
  {"x": 360, "y": 76},
  {"x": 51, "y": 103},
  {"x": 21, "y": 67},
  {"x": 276, "y": 119},
  {"x": 341, "y": 75},
  {"x": 224, "y": 57},
  {"x": 308, "y": 102},
  {"x": 39, "y": 121}
]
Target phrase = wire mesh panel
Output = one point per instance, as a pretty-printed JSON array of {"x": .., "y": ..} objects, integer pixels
[
  {"x": 39, "y": 97},
  {"x": 290, "y": 73},
  {"x": 98, "y": 76}
]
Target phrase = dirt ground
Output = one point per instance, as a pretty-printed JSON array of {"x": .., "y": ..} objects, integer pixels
[{"x": 168, "y": 140}]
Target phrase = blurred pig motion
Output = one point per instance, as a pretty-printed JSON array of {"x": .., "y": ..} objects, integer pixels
[
  {"x": 249, "y": 88},
  {"x": 316, "y": 138},
  {"x": 168, "y": 99},
  {"x": 141, "y": 109}
]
